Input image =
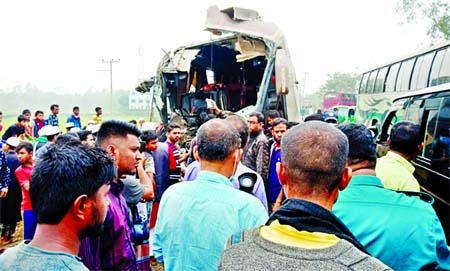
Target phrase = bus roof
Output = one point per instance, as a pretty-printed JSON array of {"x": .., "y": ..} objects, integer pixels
[
  {"x": 429, "y": 90},
  {"x": 410, "y": 55}
]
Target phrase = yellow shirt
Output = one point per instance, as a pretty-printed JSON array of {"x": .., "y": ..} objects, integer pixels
[
  {"x": 97, "y": 119},
  {"x": 396, "y": 173},
  {"x": 290, "y": 236}
]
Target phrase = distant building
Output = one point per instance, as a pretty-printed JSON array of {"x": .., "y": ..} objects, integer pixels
[{"x": 138, "y": 101}]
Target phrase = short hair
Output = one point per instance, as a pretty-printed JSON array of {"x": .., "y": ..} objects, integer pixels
[
  {"x": 279, "y": 121},
  {"x": 133, "y": 122},
  {"x": 291, "y": 124},
  {"x": 148, "y": 136},
  {"x": 116, "y": 128},
  {"x": 62, "y": 174},
  {"x": 273, "y": 114},
  {"x": 216, "y": 140},
  {"x": 70, "y": 138},
  {"x": 316, "y": 116},
  {"x": 259, "y": 116},
  {"x": 98, "y": 108},
  {"x": 25, "y": 145},
  {"x": 171, "y": 126},
  {"x": 83, "y": 134},
  {"x": 21, "y": 118},
  {"x": 361, "y": 143},
  {"x": 38, "y": 112},
  {"x": 26, "y": 111},
  {"x": 53, "y": 106},
  {"x": 314, "y": 155},
  {"x": 405, "y": 137},
  {"x": 75, "y": 108},
  {"x": 241, "y": 127}
]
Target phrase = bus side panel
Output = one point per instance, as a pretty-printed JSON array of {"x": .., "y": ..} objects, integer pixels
[{"x": 372, "y": 109}]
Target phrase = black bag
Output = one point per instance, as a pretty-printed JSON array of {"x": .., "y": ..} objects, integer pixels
[{"x": 139, "y": 228}]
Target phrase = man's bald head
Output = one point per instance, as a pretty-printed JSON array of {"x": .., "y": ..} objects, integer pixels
[
  {"x": 216, "y": 140},
  {"x": 314, "y": 155}
]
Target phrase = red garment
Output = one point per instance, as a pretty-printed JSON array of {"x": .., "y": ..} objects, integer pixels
[
  {"x": 172, "y": 158},
  {"x": 154, "y": 214},
  {"x": 23, "y": 174}
]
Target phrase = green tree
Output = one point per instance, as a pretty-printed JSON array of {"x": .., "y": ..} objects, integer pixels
[
  {"x": 435, "y": 12},
  {"x": 340, "y": 82}
]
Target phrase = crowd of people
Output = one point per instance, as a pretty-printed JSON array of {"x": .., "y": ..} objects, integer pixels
[{"x": 260, "y": 193}]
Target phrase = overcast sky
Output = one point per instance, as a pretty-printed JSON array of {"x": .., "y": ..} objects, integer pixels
[{"x": 61, "y": 44}]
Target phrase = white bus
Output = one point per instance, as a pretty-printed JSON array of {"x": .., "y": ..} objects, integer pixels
[
  {"x": 380, "y": 85},
  {"x": 248, "y": 68}
]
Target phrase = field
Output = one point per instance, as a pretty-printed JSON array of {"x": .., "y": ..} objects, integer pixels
[{"x": 8, "y": 120}]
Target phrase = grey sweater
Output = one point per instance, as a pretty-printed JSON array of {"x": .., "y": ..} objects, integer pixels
[{"x": 257, "y": 253}]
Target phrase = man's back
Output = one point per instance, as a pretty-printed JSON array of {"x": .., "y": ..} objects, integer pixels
[
  {"x": 257, "y": 253},
  {"x": 396, "y": 173},
  {"x": 197, "y": 218},
  {"x": 402, "y": 231},
  {"x": 258, "y": 191}
]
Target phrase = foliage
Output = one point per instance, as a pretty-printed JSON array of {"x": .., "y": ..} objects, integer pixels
[
  {"x": 337, "y": 82},
  {"x": 435, "y": 12},
  {"x": 340, "y": 82}
]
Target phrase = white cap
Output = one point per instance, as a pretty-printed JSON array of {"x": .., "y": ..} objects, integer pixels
[
  {"x": 13, "y": 141},
  {"x": 49, "y": 130},
  {"x": 75, "y": 129},
  {"x": 70, "y": 125},
  {"x": 93, "y": 128}
]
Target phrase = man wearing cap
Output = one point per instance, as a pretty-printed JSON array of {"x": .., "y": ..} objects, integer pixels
[
  {"x": 69, "y": 126},
  {"x": 75, "y": 118},
  {"x": 331, "y": 117},
  {"x": 10, "y": 204},
  {"x": 401, "y": 230},
  {"x": 51, "y": 133}
]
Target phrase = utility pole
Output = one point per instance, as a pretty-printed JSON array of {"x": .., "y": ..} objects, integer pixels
[
  {"x": 302, "y": 110},
  {"x": 111, "y": 62}
]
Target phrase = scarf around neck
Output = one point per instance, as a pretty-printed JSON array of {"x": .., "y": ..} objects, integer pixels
[{"x": 307, "y": 216}]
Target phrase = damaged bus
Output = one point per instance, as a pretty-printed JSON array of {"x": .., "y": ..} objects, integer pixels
[{"x": 246, "y": 68}]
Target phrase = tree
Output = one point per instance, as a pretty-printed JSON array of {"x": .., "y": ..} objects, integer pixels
[
  {"x": 435, "y": 12},
  {"x": 340, "y": 82}
]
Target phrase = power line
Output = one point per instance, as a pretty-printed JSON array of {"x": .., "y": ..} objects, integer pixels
[{"x": 111, "y": 62}]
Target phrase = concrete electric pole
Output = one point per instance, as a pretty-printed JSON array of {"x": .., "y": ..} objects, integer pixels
[{"x": 111, "y": 62}]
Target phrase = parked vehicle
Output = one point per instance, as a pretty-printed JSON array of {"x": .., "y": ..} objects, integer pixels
[
  {"x": 429, "y": 107},
  {"x": 379, "y": 85}
]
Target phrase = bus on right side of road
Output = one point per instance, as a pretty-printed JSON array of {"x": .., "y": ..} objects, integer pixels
[
  {"x": 381, "y": 84},
  {"x": 430, "y": 108}
]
